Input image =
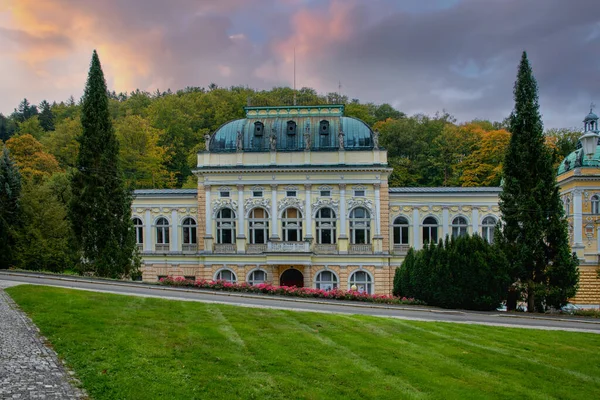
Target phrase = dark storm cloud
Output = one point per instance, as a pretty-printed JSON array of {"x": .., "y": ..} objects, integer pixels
[{"x": 460, "y": 56}]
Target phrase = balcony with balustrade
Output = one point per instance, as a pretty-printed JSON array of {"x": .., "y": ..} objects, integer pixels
[
  {"x": 162, "y": 247},
  {"x": 225, "y": 248},
  {"x": 360, "y": 248},
  {"x": 256, "y": 248},
  {"x": 288, "y": 247},
  {"x": 320, "y": 248},
  {"x": 401, "y": 248},
  {"x": 189, "y": 247}
]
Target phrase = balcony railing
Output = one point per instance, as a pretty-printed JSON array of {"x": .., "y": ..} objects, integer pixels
[
  {"x": 162, "y": 247},
  {"x": 189, "y": 247},
  {"x": 361, "y": 249},
  {"x": 325, "y": 248},
  {"x": 228, "y": 248},
  {"x": 256, "y": 248},
  {"x": 401, "y": 248},
  {"x": 288, "y": 247}
]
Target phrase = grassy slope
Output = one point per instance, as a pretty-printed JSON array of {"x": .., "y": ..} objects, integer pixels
[{"x": 132, "y": 347}]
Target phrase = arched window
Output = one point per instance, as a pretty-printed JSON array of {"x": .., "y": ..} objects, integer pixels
[
  {"x": 488, "y": 226},
  {"x": 430, "y": 230},
  {"x": 225, "y": 226},
  {"x": 162, "y": 231},
  {"x": 360, "y": 226},
  {"x": 258, "y": 226},
  {"x": 257, "y": 276},
  {"x": 291, "y": 128},
  {"x": 189, "y": 231},
  {"x": 291, "y": 225},
  {"x": 400, "y": 229},
  {"x": 459, "y": 227},
  {"x": 326, "y": 224},
  {"x": 595, "y": 204},
  {"x": 326, "y": 280},
  {"x": 226, "y": 275},
  {"x": 363, "y": 282},
  {"x": 259, "y": 128},
  {"x": 138, "y": 227},
  {"x": 567, "y": 206}
]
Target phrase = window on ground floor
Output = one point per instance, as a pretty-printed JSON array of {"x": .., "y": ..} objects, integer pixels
[
  {"x": 326, "y": 280},
  {"x": 362, "y": 280}
]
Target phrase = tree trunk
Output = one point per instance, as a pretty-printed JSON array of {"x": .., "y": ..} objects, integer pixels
[{"x": 530, "y": 298}]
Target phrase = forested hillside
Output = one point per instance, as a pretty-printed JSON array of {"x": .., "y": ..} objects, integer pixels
[{"x": 161, "y": 132}]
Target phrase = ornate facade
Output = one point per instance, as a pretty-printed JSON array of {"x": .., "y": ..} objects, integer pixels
[{"x": 299, "y": 196}]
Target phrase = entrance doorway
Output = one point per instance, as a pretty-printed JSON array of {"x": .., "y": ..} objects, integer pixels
[{"x": 292, "y": 277}]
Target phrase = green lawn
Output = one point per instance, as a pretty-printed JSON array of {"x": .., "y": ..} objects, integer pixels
[{"x": 125, "y": 347}]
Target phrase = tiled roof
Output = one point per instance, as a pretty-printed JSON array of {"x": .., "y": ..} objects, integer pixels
[
  {"x": 165, "y": 192},
  {"x": 445, "y": 189}
]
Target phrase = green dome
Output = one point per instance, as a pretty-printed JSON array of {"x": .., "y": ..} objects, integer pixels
[
  {"x": 590, "y": 117},
  {"x": 290, "y": 126},
  {"x": 569, "y": 162}
]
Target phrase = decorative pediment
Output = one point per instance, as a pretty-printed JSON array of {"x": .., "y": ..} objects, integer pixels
[
  {"x": 223, "y": 203},
  {"x": 249, "y": 204},
  {"x": 257, "y": 188},
  {"x": 325, "y": 187},
  {"x": 325, "y": 202},
  {"x": 290, "y": 202},
  {"x": 359, "y": 202}
]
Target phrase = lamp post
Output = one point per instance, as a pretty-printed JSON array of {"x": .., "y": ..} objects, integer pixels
[{"x": 589, "y": 141}]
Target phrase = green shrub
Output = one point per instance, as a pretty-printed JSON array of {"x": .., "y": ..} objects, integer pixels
[{"x": 465, "y": 272}]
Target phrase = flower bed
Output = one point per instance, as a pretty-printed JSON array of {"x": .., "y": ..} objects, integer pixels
[{"x": 294, "y": 291}]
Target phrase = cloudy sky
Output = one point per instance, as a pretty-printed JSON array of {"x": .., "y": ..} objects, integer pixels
[{"x": 421, "y": 56}]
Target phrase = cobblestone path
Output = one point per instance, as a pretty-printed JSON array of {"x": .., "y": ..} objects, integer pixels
[{"x": 28, "y": 368}]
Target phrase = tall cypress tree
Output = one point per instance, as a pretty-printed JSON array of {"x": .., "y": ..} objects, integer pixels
[
  {"x": 534, "y": 229},
  {"x": 100, "y": 208},
  {"x": 10, "y": 210}
]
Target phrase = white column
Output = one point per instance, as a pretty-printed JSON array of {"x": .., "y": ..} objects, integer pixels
[
  {"x": 577, "y": 218},
  {"x": 343, "y": 210},
  {"x": 445, "y": 222},
  {"x": 208, "y": 213},
  {"x": 598, "y": 239},
  {"x": 148, "y": 231},
  {"x": 475, "y": 221},
  {"x": 273, "y": 227},
  {"x": 377, "y": 209},
  {"x": 240, "y": 211},
  {"x": 307, "y": 212},
  {"x": 416, "y": 225},
  {"x": 174, "y": 231}
]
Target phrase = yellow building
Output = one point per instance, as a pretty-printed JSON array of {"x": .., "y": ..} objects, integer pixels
[
  {"x": 299, "y": 195},
  {"x": 579, "y": 182}
]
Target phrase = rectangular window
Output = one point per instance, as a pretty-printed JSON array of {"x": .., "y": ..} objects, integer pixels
[
  {"x": 325, "y": 193},
  {"x": 292, "y": 235},
  {"x": 224, "y": 194},
  {"x": 326, "y": 237},
  {"x": 359, "y": 193},
  {"x": 257, "y": 193},
  {"x": 290, "y": 193}
]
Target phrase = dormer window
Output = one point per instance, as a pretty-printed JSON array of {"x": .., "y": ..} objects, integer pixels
[
  {"x": 291, "y": 128},
  {"x": 324, "y": 127},
  {"x": 259, "y": 128}
]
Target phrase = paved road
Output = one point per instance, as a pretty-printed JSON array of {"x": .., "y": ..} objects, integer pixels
[{"x": 335, "y": 307}]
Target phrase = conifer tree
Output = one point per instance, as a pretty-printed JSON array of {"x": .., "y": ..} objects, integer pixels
[
  {"x": 46, "y": 117},
  {"x": 534, "y": 230},
  {"x": 100, "y": 207},
  {"x": 10, "y": 210}
]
